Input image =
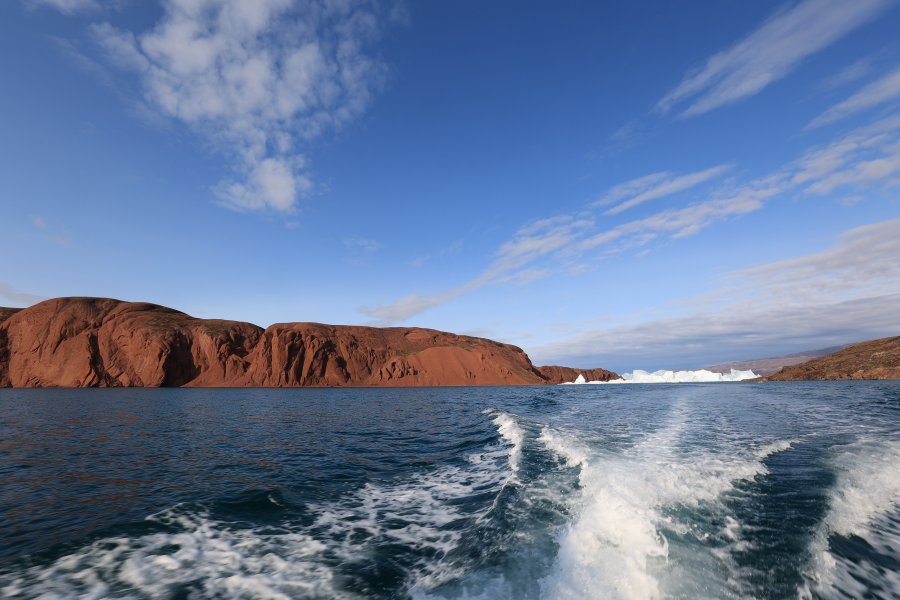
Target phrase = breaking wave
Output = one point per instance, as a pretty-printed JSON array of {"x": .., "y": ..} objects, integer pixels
[
  {"x": 864, "y": 511},
  {"x": 636, "y": 534}
]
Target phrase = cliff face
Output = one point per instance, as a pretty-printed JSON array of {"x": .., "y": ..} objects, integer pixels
[
  {"x": 6, "y": 313},
  {"x": 874, "y": 359},
  {"x": 85, "y": 342}
]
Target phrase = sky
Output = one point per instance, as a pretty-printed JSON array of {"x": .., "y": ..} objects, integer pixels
[{"x": 631, "y": 184}]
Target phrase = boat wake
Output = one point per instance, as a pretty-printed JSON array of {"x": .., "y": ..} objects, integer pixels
[
  {"x": 535, "y": 508},
  {"x": 855, "y": 552}
]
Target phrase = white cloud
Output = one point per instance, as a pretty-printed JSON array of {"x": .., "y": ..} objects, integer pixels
[
  {"x": 866, "y": 156},
  {"x": 851, "y": 200},
  {"x": 864, "y": 262},
  {"x": 564, "y": 237},
  {"x": 258, "y": 80},
  {"x": 771, "y": 52},
  {"x": 849, "y": 74},
  {"x": 453, "y": 248},
  {"x": 366, "y": 245},
  {"x": 409, "y": 306},
  {"x": 878, "y": 92},
  {"x": 696, "y": 340},
  {"x": 68, "y": 7},
  {"x": 848, "y": 292},
  {"x": 40, "y": 222},
  {"x": 8, "y": 292},
  {"x": 632, "y": 188},
  {"x": 655, "y": 186},
  {"x": 272, "y": 182},
  {"x": 530, "y": 243}
]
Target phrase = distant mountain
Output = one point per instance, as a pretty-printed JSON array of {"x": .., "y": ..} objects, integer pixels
[
  {"x": 765, "y": 366},
  {"x": 874, "y": 359}
]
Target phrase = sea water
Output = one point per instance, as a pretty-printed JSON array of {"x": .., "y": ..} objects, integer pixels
[{"x": 689, "y": 490}]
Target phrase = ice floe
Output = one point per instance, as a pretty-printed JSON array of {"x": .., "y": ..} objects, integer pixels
[{"x": 663, "y": 376}]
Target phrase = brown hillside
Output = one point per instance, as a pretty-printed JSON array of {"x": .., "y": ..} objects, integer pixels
[
  {"x": 86, "y": 342},
  {"x": 874, "y": 359}
]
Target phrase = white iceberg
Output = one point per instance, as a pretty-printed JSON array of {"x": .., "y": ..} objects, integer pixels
[{"x": 662, "y": 376}]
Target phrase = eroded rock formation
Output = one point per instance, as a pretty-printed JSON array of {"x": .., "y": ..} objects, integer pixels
[
  {"x": 85, "y": 342},
  {"x": 874, "y": 359}
]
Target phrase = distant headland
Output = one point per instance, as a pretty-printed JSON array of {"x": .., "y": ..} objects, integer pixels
[
  {"x": 100, "y": 342},
  {"x": 874, "y": 359}
]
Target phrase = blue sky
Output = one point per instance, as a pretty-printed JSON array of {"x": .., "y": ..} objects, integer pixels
[{"x": 624, "y": 185}]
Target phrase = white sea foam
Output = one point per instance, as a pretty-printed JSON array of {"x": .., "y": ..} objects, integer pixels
[
  {"x": 662, "y": 376},
  {"x": 617, "y": 546},
  {"x": 510, "y": 431},
  {"x": 426, "y": 505},
  {"x": 420, "y": 514},
  {"x": 865, "y": 502},
  {"x": 220, "y": 561}
]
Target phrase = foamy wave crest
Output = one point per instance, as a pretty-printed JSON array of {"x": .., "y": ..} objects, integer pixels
[
  {"x": 513, "y": 434},
  {"x": 627, "y": 515},
  {"x": 663, "y": 376},
  {"x": 422, "y": 519},
  {"x": 430, "y": 513},
  {"x": 865, "y": 503},
  {"x": 203, "y": 558}
]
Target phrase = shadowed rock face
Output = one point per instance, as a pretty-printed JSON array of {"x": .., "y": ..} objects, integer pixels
[
  {"x": 874, "y": 359},
  {"x": 88, "y": 342},
  {"x": 6, "y": 313}
]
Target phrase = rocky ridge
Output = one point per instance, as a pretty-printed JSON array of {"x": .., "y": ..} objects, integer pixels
[
  {"x": 766, "y": 366},
  {"x": 874, "y": 359},
  {"x": 101, "y": 342}
]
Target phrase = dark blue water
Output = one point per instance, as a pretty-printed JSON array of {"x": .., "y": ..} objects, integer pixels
[{"x": 730, "y": 490}]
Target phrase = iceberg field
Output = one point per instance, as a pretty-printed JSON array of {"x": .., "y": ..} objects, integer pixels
[{"x": 662, "y": 376}]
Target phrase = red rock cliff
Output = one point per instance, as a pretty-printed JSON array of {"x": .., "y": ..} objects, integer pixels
[{"x": 85, "y": 342}]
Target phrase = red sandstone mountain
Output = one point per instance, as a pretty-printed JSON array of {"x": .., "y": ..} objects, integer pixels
[
  {"x": 87, "y": 342},
  {"x": 874, "y": 359}
]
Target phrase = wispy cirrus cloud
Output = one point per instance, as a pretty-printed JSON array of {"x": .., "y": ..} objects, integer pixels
[
  {"x": 770, "y": 52},
  {"x": 530, "y": 243},
  {"x": 884, "y": 90},
  {"x": 850, "y": 73},
  {"x": 654, "y": 186},
  {"x": 361, "y": 250},
  {"x": 862, "y": 263},
  {"x": 10, "y": 293},
  {"x": 563, "y": 240},
  {"x": 363, "y": 243},
  {"x": 453, "y": 248},
  {"x": 68, "y": 7},
  {"x": 867, "y": 156},
  {"x": 257, "y": 80}
]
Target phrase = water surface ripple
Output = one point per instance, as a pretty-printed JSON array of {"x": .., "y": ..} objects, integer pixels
[{"x": 744, "y": 490}]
